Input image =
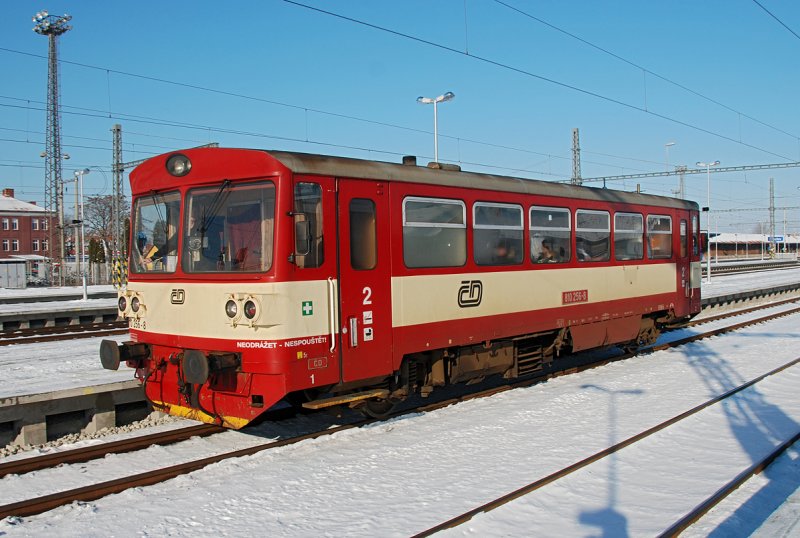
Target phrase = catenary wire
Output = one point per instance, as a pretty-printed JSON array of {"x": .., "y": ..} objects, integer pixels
[{"x": 527, "y": 73}]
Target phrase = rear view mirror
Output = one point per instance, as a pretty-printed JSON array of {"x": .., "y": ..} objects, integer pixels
[{"x": 302, "y": 236}]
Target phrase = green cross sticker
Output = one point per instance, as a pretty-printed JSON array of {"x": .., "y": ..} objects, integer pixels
[{"x": 308, "y": 308}]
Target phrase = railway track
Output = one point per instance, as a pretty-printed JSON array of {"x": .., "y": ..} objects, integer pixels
[
  {"x": 742, "y": 268},
  {"x": 95, "y": 491},
  {"x": 84, "y": 454},
  {"x": 66, "y": 332},
  {"x": 680, "y": 525}
]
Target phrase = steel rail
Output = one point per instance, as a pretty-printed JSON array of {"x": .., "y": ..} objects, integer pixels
[
  {"x": 18, "y": 333},
  {"x": 93, "y": 492},
  {"x": 733, "y": 269},
  {"x": 84, "y": 454},
  {"x": 722, "y": 493},
  {"x": 67, "y": 332},
  {"x": 537, "y": 484}
]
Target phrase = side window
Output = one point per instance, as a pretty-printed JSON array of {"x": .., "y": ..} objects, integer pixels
[
  {"x": 628, "y": 236},
  {"x": 592, "y": 235},
  {"x": 695, "y": 236},
  {"x": 497, "y": 234},
  {"x": 684, "y": 240},
  {"x": 363, "y": 237},
  {"x": 550, "y": 235},
  {"x": 309, "y": 245},
  {"x": 434, "y": 232},
  {"x": 659, "y": 236}
]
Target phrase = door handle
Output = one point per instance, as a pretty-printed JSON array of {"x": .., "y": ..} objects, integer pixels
[
  {"x": 332, "y": 312},
  {"x": 353, "y": 322}
]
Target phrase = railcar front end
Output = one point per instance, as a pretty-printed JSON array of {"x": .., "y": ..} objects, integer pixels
[{"x": 219, "y": 331}]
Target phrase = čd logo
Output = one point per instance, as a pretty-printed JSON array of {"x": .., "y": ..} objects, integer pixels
[{"x": 470, "y": 293}]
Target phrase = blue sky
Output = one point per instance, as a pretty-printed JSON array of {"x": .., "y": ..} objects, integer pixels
[{"x": 718, "y": 78}]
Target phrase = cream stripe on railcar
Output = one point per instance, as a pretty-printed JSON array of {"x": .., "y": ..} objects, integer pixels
[
  {"x": 433, "y": 298},
  {"x": 203, "y": 312}
]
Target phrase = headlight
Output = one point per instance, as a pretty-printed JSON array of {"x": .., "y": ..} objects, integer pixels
[
  {"x": 231, "y": 309},
  {"x": 179, "y": 165},
  {"x": 122, "y": 304},
  {"x": 135, "y": 304},
  {"x": 250, "y": 309}
]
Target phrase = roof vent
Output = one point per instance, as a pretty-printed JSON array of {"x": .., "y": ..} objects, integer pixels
[
  {"x": 444, "y": 166},
  {"x": 409, "y": 160}
]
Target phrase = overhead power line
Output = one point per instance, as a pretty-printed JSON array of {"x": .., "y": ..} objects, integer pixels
[
  {"x": 442, "y": 47},
  {"x": 527, "y": 73},
  {"x": 713, "y": 170},
  {"x": 221, "y": 130},
  {"x": 759, "y": 4},
  {"x": 645, "y": 69}
]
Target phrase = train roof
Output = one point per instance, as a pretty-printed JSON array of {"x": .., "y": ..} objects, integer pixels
[
  {"x": 253, "y": 162},
  {"x": 312, "y": 164}
]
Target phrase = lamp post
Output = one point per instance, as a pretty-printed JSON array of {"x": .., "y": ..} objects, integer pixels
[
  {"x": 708, "y": 166},
  {"x": 666, "y": 150},
  {"x": 82, "y": 267},
  {"x": 435, "y": 101}
]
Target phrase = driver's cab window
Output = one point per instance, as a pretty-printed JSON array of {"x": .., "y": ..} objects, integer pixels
[
  {"x": 229, "y": 228},
  {"x": 309, "y": 245},
  {"x": 155, "y": 233}
]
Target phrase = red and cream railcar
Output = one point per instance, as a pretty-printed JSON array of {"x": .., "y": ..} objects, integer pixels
[{"x": 258, "y": 276}]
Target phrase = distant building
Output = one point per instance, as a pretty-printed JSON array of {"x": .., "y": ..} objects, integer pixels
[
  {"x": 24, "y": 228},
  {"x": 743, "y": 246}
]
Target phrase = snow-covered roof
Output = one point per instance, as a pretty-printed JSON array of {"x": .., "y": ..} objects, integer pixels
[
  {"x": 12, "y": 205},
  {"x": 29, "y": 257},
  {"x": 751, "y": 238}
]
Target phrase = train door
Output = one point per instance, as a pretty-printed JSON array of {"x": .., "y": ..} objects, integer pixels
[
  {"x": 684, "y": 268},
  {"x": 364, "y": 279},
  {"x": 694, "y": 264}
]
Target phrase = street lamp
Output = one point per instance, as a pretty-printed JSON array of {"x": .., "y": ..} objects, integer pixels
[
  {"x": 79, "y": 179},
  {"x": 435, "y": 101},
  {"x": 666, "y": 149},
  {"x": 708, "y": 166}
]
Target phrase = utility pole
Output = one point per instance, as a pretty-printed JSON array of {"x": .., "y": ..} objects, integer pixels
[
  {"x": 53, "y": 26},
  {"x": 772, "y": 213},
  {"x": 576, "y": 158},
  {"x": 118, "y": 253}
]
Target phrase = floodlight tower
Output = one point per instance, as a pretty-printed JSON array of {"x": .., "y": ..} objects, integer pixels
[{"x": 53, "y": 26}]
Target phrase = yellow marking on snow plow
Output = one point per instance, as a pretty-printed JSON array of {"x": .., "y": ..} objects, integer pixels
[{"x": 195, "y": 414}]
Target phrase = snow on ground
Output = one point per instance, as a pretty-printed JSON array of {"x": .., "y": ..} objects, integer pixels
[
  {"x": 727, "y": 284},
  {"x": 46, "y": 367},
  {"x": 399, "y": 477},
  {"x": 10, "y": 293}
]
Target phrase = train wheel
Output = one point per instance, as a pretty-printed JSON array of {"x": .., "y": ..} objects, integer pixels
[{"x": 377, "y": 408}]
